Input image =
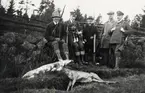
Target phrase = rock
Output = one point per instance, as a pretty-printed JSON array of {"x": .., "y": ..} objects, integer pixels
[
  {"x": 19, "y": 59},
  {"x": 37, "y": 35},
  {"x": 31, "y": 39},
  {"x": 41, "y": 44},
  {"x": 9, "y": 37},
  {"x": 28, "y": 45}
]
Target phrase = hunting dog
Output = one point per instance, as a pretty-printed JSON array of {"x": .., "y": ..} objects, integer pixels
[
  {"x": 83, "y": 77},
  {"x": 57, "y": 66}
]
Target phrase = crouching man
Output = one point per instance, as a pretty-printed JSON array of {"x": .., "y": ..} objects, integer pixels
[
  {"x": 55, "y": 34},
  {"x": 75, "y": 39}
]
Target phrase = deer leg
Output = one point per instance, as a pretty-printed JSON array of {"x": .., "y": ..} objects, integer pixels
[
  {"x": 102, "y": 81},
  {"x": 73, "y": 82},
  {"x": 70, "y": 83}
]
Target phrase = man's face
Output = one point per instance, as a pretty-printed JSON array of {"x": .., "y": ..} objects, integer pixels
[
  {"x": 72, "y": 17},
  {"x": 119, "y": 17},
  {"x": 56, "y": 19},
  {"x": 89, "y": 21},
  {"x": 111, "y": 17}
]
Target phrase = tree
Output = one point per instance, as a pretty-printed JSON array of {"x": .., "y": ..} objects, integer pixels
[
  {"x": 137, "y": 21},
  {"x": 11, "y": 9},
  {"x": 126, "y": 18},
  {"x": 46, "y": 9},
  {"x": 143, "y": 20},
  {"x": 79, "y": 16},
  {"x": 99, "y": 19}
]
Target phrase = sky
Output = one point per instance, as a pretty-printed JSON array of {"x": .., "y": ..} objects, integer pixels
[{"x": 94, "y": 7}]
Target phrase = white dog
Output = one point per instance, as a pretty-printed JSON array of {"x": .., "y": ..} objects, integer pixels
[
  {"x": 57, "y": 66},
  {"x": 83, "y": 77}
]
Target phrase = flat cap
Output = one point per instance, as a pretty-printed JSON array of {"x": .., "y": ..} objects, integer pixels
[
  {"x": 119, "y": 13},
  {"x": 110, "y": 13}
]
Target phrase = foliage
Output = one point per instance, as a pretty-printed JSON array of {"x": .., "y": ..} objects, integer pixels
[
  {"x": 11, "y": 9},
  {"x": 133, "y": 54},
  {"x": 46, "y": 9}
]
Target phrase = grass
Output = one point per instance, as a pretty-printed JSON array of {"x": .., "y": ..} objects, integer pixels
[
  {"x": 130, "y": 84},
  {"x": 59, "y": 81}
]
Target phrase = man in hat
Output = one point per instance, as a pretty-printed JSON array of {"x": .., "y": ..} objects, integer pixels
[
  {"x": 106, "y": 38},
  {"x": 75, "y": 39},
  {"x": 118, "y": 38},
  {"x": 88, "y": 36},
  {"x": 56, "y": 34}
]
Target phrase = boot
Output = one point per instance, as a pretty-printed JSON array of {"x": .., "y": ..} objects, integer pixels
[
  {"x": 82, "y": 57},
  {"x": 78, "y": 58},
  {"x": 58, "y": 55},
  {"x": 67, "y": 55},
  {"x": 117, "y": 63}
]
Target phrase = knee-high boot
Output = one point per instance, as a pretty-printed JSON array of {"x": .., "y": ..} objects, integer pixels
[
  {"x": 58, "y": 55},
  {"x": 117, "y": 62},
  {"x": 82, "y": 57},
  {"x": 78, "y": 60}
]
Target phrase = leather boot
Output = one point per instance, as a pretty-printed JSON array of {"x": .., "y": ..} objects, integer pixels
[
  {"x": 117, "y": 62},
  {"x": 58, "y": 55},
  {"x": 67, "y": 55},
  {"x": 78, "y": 60}
]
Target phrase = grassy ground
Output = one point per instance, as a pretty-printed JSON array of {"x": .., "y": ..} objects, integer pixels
[
  {"x": 130, "y": 81},
  {"x": 131, "y": 84}
]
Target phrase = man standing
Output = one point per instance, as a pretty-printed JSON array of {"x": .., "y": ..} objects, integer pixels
[
  {"x": 56, "y": 34},
  {"x": 106, "y": 38},
  {"x": 118, "y": 38},
  {"x": 75, "y": 40},
  {"x": 88, "y": 36}
]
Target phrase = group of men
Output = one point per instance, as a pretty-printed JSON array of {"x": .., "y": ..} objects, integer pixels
[{"x": 76, "y": 41}]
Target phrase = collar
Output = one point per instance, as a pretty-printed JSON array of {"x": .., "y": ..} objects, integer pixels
[
  {"x": 55, "y": 22},
  {"x": 120, "y": 20}
]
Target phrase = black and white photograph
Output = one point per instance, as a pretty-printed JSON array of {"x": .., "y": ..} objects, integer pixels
[{"x": 72, "y": 46}]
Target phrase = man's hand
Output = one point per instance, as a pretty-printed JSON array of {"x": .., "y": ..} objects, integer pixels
[
  {"x": 63, "y": 40},
  {"x": 57, "y": 39},
  {"x": 122, "y": 29},
  {"x": 91, "y": 37}
]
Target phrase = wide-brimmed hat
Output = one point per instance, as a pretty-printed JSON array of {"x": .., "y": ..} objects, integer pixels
[{"x": 56, "y": 14}]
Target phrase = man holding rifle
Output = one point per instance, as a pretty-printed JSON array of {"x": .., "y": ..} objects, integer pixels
[{"x": 56, "y": 34}]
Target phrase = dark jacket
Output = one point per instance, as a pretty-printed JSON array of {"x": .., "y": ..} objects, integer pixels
[
  {"x": 73, "y": 28},
  {"x": 118, "y": 36},
  {"x": 89, "y": 32},
  {"x": 55, "y": 31}
]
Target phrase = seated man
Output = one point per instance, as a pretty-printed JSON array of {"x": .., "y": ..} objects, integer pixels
[
  {"x": 55, "y": 34},
  {"x": 88, "y": 36}
]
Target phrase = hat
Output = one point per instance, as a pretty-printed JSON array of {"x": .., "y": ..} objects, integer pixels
[
  {"x": 90, "y": 18},
  {"x": 73, "y": 14},
  {"x": 55, "y": 14},
  {"x": 119, "y": 13},
  {"x": 110, "y": 13}
]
